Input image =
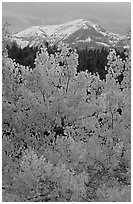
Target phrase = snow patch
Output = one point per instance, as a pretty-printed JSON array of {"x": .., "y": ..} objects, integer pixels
[
  {"x": 86, "y": 40},
  {"x": 101, "y": 43}
]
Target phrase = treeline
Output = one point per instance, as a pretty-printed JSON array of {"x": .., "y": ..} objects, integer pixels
[{"x": 92, "y": 60}]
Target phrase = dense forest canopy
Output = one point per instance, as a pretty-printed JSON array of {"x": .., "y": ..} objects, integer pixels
[
  {"x": 92, "y": 60},
  {"x": 66, "y": 134}
]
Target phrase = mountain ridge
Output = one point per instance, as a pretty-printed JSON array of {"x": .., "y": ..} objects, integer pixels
[{"x": 78, "y": 33}]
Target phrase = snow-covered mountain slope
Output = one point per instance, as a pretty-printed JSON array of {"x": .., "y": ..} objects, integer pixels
[{"x": 78, "y": 33}]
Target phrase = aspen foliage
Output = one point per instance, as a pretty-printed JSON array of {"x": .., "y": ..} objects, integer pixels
[{"x": 66, "y": 135}]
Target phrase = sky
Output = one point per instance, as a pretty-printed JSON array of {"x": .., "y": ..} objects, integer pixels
[{"x": 113, "y": 16}]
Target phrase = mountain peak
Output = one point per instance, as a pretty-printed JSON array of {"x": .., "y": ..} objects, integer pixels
[{"x": 81, "y": 22}]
